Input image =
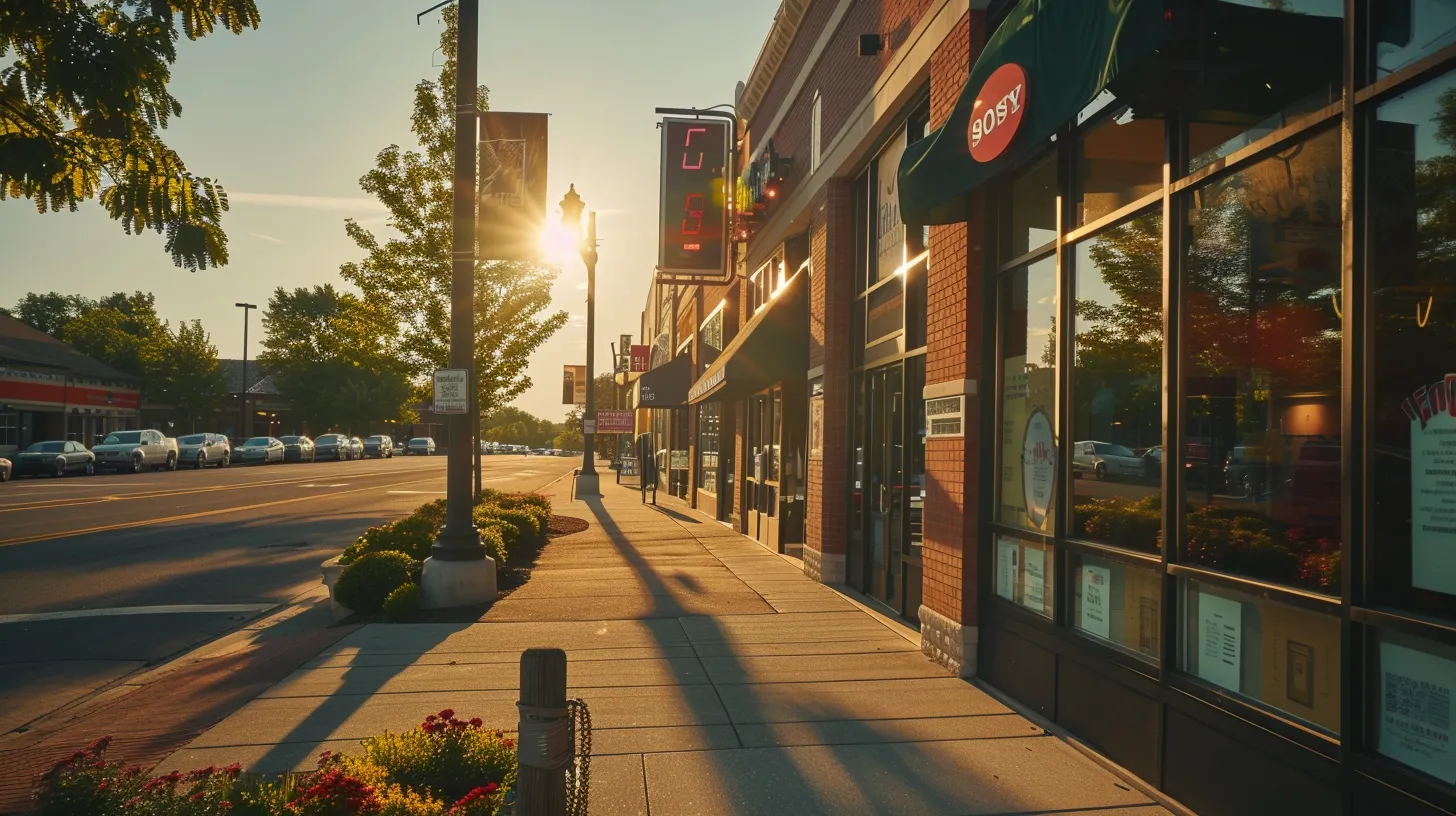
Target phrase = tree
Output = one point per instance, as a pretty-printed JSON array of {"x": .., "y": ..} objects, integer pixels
[
  {"x": 331, "y": 357},
  {"x": 509, "y": 425},
  {"x": 120, "y": 330},
  {"x": 51, "y": 312},
  {"x": 410, "y": 275},
  {"x": 82, "y": 107},
  {"x": 183, "y": 371}
]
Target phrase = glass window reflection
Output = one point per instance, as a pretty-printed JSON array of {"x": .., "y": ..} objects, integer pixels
[
  {"x": 1262, "y": 370},
  {"x": 1118, "y": 161},
  {"x": 1028, "y": 396},
  {"x": 1030, "y": 205},
  {"x": 1117, "y": 385},
  {"x": 1413, "y": 275},
  {"x": 1406, "y": 30}
]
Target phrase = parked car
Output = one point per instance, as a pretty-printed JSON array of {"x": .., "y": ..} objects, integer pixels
[
  {"x": 421, "y": 446},
  {"x": 332, "y": 446},
  {"x": 356, "y": 446},
  {"x": 1106, "y": 460},
  {"x": 59, "y": 458},
  {"x": 1247, "y": 471},
  {"x": 398, "y": 447},
  {"x": 378, "y": 447},
  {"x": 200, "y": 450},
  {"x": 5, "y": 469},
  {"x": 259, "y": 450},
  {"x": 297, "y": 448},
  {"x": 135, "y": 451}
]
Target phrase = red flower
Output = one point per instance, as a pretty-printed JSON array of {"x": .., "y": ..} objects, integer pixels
[
  {"x": 476, "y": 722},
  {"x": 447, "y": 714},
  {"x": 99, "y": 745}
]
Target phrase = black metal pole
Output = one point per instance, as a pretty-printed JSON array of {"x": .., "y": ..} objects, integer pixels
[
  {"x": 589, "y": 416},
  {"x": 460, "y": 540},
  {"x": 243, "y": 390}
]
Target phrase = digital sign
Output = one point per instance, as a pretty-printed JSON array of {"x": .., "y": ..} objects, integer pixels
[{"x": 693, "y": 212}]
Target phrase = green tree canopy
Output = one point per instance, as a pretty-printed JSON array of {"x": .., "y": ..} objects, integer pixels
[
  {"x": 183, "y": 371},
  {"x": 410, "y": 275},
  {"x": 83, "y": 103},
  {"x": 51, "y": 312}
]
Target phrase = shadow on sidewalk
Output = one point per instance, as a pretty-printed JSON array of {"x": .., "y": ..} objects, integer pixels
[{"x": 906, "y": 778}]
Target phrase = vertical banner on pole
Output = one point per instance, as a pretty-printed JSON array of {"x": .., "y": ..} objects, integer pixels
[{"x": 512, "y": 197}]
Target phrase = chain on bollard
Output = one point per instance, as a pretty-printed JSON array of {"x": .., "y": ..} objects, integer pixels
[
  {"x": 559, "y": 739},
  {"x": 578, "y": 775}
]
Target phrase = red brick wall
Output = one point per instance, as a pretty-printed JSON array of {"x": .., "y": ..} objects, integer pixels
[
  {"x": 832, "y": 293},
  {"x": 953, "y": 323}
]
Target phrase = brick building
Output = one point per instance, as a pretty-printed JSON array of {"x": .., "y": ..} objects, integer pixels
[{"x": 1094, "y": 340}]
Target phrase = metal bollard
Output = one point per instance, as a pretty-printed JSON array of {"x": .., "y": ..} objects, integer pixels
[{"x": 543, "y": 746}]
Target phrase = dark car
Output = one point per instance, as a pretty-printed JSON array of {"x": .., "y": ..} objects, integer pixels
[
  {"x": 57, "y": 458},
  {"x": 5, "y": 468},
  {"x": 378, "y": 447},
  {"x": 1247, "y": 471},
  {"x": 297, "y": 448},
  {"x": 332, "y": 446}
]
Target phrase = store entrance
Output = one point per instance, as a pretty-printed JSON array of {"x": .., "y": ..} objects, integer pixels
[
  {"x": 889, "y": 478},
  {"x": 761, "y": 482}
]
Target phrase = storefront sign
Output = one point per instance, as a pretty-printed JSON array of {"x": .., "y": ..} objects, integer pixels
[
  {"x": 512, "y": 196},
  {"x": 997, "y": 113},
  {"x": 611, "y": 421},
  {"x": 889, "y": 229},
  {"x": 1416, "y": 724},
  {"x": 1008, "y": 557},
  {"x": 1432, "y": 414},
  {"x": 640, "y": 356},
  {"x": 1033, "y": 592},
  {"x": 1220, "y": 640},
  {"x": 573, "y": 385},
  {"x": 452, "y": 391},
  {"x": 1096, "y": 593},
  {"x": 1038, "y": 466},
  {"x": 693, "y": 208}
]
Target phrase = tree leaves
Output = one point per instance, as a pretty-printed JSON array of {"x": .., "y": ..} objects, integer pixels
[{"x": 82, "y": 107}]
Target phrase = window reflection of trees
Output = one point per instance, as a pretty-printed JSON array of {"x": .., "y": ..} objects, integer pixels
[{"x": 1262, "y": 337}]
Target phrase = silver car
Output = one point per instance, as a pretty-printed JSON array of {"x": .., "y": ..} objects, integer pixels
[
  {"x": 259, "y": 450},
  {"x": 333, "y": 446},
  {"x": 203, "y": 449}
]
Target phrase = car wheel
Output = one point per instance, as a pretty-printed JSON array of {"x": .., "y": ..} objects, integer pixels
[
  {"x": 200, "y": 461},
  {"x": 90, "y": 468},
  {"x": 227, "y": 459},
  {"x": 1246, "y": 486},
  {"x": 171, "y": 461},
  {"x": 1101, "y": 471},
  {"x": 60, "y": 470},
  {"x": 136, "y": 464}
]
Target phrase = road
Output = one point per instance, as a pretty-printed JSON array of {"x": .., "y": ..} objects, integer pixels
[{"x": 104, "y": 576}]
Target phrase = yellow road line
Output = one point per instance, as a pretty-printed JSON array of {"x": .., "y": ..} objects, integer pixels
[
  {"x": 50, "y": 504},
  {"x": 184, "y": 517}
]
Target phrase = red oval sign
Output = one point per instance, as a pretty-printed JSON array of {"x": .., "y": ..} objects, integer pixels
[{"x": 997, "y": 113}]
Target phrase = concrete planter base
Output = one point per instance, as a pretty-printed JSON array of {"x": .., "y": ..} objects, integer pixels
[{"x": 332, "y": 569}]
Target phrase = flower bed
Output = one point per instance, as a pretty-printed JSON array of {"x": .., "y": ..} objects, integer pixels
[
  {"x": 443, "y": 767},
  {"x": 388, "y": 556}
]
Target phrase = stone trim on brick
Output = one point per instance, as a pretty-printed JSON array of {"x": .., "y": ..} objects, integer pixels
[
  {"x": 826, "y": 568},
  {"x": 951, "y": 388},
  {"x": 947, "y": 642}
]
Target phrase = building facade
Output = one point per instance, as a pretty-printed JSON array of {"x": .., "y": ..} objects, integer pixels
[{"x": 1120, "y": 372}]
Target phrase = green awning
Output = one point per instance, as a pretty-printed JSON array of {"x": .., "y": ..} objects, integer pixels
[{"x": 1067, "y": 52}]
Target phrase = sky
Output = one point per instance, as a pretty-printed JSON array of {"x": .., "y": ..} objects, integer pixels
[{"x": 288, "y": 118}]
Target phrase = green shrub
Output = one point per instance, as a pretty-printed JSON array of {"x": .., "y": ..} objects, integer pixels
[
  {"x": 365, "y": 584},
  {"x": 492, "y": 536},
  {"x": 412, "y": 535},
  {"x": 444, "y": 757},
  {"x": 403, "y": 604},
  {"x": 528, "y": 526}
]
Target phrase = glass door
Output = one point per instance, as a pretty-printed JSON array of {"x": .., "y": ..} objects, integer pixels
[{"x": 887, "y": 488}]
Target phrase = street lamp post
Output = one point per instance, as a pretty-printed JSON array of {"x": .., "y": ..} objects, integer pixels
[
  {"x": 571, "y": 207},
  {"x": 243, "y": 392},
  {"x": 458, "y": 571}
]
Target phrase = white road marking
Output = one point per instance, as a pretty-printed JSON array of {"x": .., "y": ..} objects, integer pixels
[
  {"x": 173, "y": 609},
  {"x": 418, "y": 492},
  {"x": 345, "y": 484}
]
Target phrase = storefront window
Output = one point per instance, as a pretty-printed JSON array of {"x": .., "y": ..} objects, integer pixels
[
  {"x": 1280, "y": 655},
  {"x": 776, "y": 435},
  {"x": 710, "y": 418},
  {"x": 711, "y": 333},
  {"x": 886, "y": 309},
  {"x": 1117, "y": 386},
  {"x": 1024, "y": 574},
  {"x": 1118, "y": 162},
  {"x": 1029, "y": 208},
  {"x": 1413, "y": 720},
  {"x": 1256, "y": 82},
  {"x": 1406, "y": 30},
  {"x": 1028, "y": 463},
  {"x": 1119, "y": 603},
  {"x": 1261, "y": 356},
  {"x": 1413, "y": 318}
]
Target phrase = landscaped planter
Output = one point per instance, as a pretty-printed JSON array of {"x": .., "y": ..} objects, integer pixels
[{"x": 332, "y": 569}]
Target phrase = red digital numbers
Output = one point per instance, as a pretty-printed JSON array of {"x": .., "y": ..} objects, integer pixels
[
  {"x": 688, "y": 142},
  {"x": 693, "y": 206}
]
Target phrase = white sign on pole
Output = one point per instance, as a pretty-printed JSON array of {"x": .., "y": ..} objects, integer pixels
[
  {"x": 588, "y": 426},
  {"x": 452, "y": 391}
]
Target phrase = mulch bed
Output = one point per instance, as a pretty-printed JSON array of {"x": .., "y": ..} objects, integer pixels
[{"x": 565, "y": 525}]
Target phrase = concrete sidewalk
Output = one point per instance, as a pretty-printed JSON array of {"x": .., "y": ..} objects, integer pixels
[{"x": 720, "y": 680}]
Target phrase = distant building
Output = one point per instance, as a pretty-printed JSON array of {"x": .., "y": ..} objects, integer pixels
[
  {"x": 49, "y": 390},
  {"x": 268, "y": 412}
]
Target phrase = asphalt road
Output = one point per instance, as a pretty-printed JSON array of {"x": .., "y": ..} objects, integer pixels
[{"x": 103, "y": 576}]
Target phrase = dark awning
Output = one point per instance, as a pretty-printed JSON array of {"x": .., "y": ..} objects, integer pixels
[
  {"x": 1049, "y": 59},
  {"x": 667, "y": 385},
  {"x": 771, "y": 347}
]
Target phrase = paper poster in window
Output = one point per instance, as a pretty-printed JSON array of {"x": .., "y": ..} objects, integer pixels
[
  {"x": 1038, "y": 466},
  {"x": 816, "y": 427},
  {"x": 1008, "y": 553},
  {"x": 1220, "y": 640},
  {"x": 1033, "y": 593},
  {"x": 1432, "y": 414},
  {"x": 1415, "y": 710},
  {"x": 1096, "y": 594}
]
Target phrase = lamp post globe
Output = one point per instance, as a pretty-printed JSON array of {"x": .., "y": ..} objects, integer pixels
[{"x": 571, "y": 209}]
